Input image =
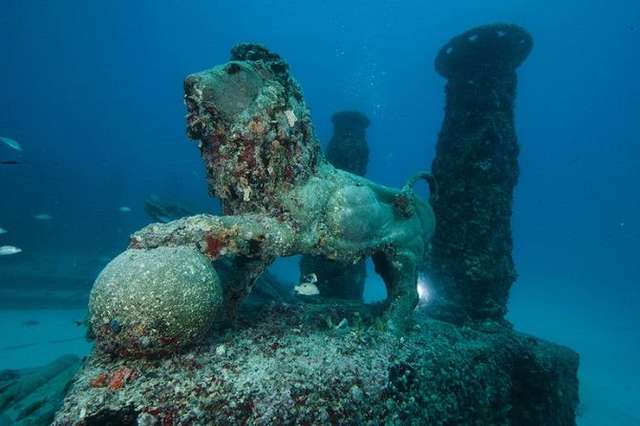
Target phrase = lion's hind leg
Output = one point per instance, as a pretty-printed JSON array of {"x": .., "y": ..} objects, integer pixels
[{"x": 398, "y": 269}]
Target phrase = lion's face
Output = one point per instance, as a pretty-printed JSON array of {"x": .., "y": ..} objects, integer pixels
[
  {"x": 256, "y": 135},
  {"x": 220, "y": 93}
]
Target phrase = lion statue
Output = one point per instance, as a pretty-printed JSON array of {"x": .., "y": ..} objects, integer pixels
[{"x": 279, "y": 196}]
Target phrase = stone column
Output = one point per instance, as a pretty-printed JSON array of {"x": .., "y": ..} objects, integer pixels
[
  {"x": 347, "y": 150},
  {"x": 476, "y": 170}
]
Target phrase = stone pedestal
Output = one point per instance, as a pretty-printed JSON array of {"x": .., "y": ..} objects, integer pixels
[{"x": 333, "y": 364}]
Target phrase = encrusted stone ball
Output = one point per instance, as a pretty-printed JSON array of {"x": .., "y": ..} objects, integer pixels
[{"x": 150, "y": 302}]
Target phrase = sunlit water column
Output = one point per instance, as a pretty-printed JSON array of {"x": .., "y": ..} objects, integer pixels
[
  {"x": 476, "y": 170},
  {"x": 347, "y": 150}
]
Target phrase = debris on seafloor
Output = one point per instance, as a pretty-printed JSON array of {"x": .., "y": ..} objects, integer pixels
[
  {"x": 11, "y": 143},
  {"x": 9, "y": 250},
  {"x": 32, "y": 396}
]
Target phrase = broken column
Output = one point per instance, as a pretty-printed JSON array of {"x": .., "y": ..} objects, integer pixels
[
  {"x": 347, "y": 150},
  {"x": 476, "y": 170}
]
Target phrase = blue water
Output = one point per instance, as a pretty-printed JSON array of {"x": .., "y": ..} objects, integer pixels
[{"x": 93, "y": 91}]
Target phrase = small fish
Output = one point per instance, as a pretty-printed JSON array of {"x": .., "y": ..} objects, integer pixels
[
  {"x": 125, "y": 209},
  {"x": 307, "y": 289},
  {"x": 3, "y": 231},
  {"x": 11, "y": 143},
  {"x": 9, "y": 250},
  {"x": 43, "y": 216},
  {"x": 9, "y": 162},
  {"x": 30, "y": 323},
  {"x": 311, "y": 278}
]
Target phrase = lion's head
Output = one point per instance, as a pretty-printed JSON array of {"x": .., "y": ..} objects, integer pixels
[{"x": 256, "y": 134}]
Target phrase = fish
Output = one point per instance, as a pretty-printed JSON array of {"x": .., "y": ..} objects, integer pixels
[
  {"x": 307, "y": 289},
  {"x": 43, "y": 216},
  {"x": 3, "y": 231},
  {"x": 9, "y": 250},
  {"x": 30, "y": 323},
  {"x": 11, "y": 143},
  {"x": 311, "y": 278},
  {"x": 9, "y": 162},
  {"x": 125, "y": 209}
]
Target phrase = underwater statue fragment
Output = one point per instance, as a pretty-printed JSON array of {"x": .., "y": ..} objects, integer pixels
[
  {"x": 279, "y": 195},
  {"x": 476, "y": 169},
  {"x": 347, "y": 150},
  {"x": 306, "y": 363}
]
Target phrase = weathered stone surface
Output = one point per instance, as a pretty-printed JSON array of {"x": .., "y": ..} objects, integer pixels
[
  {"x": 305, "y": 365},
  {"x": 476, "y": 170},
  {"x": 154, "y": 301},
  {"x": 31, "y": 397},
  {"x": 347, "y": 150}
]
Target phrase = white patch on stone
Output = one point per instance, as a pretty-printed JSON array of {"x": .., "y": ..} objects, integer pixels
[{"x": 291, "y": 117}]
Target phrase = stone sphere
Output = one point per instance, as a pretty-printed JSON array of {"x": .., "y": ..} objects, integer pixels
[{"x": 147, "y": 302}]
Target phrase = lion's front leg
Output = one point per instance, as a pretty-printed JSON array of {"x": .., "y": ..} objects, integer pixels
[
  {"x": 399, "y": 272},
  {"x": 240, "y": 279},
  {"x": 246, "y": 244},
  {"x": 251, "y": 236}
]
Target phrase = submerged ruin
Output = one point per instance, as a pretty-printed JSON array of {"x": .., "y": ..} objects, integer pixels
[
  {"x": 454, "y": 361},
  {"x": 476, "y": 170}
]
